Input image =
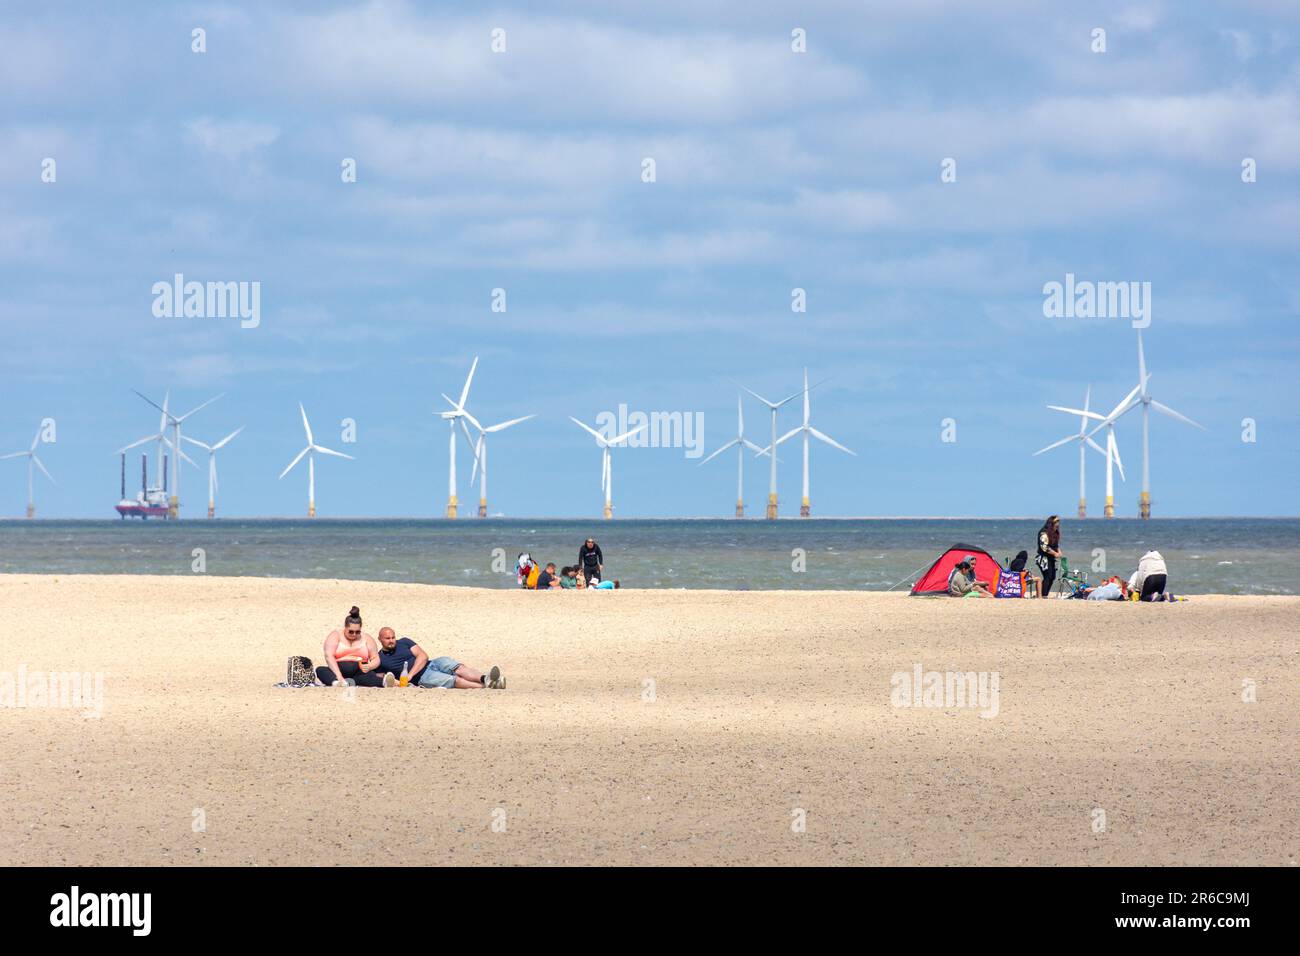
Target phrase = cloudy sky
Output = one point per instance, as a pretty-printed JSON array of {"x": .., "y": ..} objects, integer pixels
[{"x": 774, "y": 170}]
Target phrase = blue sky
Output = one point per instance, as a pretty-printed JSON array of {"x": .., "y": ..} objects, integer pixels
[{"x": 522, "y": 170}]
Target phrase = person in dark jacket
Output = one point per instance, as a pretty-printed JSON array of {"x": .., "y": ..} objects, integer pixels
[
  {"x": 591, "y": 560},
  {"x": 1049, "y": 549}
]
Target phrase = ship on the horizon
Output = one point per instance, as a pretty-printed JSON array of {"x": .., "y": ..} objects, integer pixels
[{"x": 148, "y": 502}]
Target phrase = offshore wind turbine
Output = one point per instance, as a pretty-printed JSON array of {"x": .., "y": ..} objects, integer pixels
[
  {"x": 457, "y": 412},
  {"x": 212, "y": 466},
  {"x": 606, "y": 464},
  {"x": 168, "y": 418},
  {"x": 480, "y": 453},
  {"x": 741, "y": 443},
  {"x": 162, "y": 440},
  {"x": 771, "y": 491},
  {"x": 806, "y": 429},
  {"x": 32, "y": 459},
  {"x": 310, "y": 452},
  {"x": 1083, "y": 440},
  {"x": 1142, "y": 396}
]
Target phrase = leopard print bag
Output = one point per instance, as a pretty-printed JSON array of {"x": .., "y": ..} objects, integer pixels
[{"x": 301, "y": 673}]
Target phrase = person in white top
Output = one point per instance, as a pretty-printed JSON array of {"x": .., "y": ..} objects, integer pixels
[{"x": 1151, "y": 577}]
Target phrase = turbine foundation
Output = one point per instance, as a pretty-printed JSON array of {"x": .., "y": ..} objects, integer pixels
[
  {"x": 805, "y": 509},
  {"x": 771, "y": 507},
  {"x": 609, "y": 512},
  {"x": 482, "y": 507},
  {"x": 1110, "y": 506},
  {"x": 173, "y": 507},
  {"x": 740, "y": 509},
  {"x": 212, "y": 512},
  {"x": 1144, "y": 505},
  {"x": 31, "y": 511},
  {"x": 451, "y": 507},
  {"x": 1083, "y": 508},
  {"x": 311, "y": 509}
]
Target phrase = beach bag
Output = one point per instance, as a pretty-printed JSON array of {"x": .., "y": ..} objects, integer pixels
[
  {"x": 523, "y": 566},
  {"x": 300, "y": 672}
]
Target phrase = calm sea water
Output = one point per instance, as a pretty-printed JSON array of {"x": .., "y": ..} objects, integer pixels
[{"x": 1218, "y": 555}]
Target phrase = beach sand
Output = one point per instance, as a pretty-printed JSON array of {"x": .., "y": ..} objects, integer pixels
[{"x": 768, "y": 709}]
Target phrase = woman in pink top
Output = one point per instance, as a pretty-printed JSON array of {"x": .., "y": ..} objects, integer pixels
[{"x": 352, "y": 657}]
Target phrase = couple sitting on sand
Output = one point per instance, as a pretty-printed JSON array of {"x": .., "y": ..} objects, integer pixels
[{"x": 353, "y": 657}]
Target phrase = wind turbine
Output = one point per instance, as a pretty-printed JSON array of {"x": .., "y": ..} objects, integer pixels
[
  {"x": 1083, "y": 440},
  {"x": 1141, "y": 396},
  {"x": 480, "y": 454},
  {"x": 175, "y": 421},
  {"x": 30, "y": 455},
  {"x": 771, "y": 491},
  {"x": 606, "y": 466},
  {"x": 457, "y": 412},
  {"x": 212, "y": 466},
  {"x": 160, "y": 438},
  {"x": 807, "y": 431},
  {"x": 310, "y": 452},
  {"x": 741, "y": 443}
]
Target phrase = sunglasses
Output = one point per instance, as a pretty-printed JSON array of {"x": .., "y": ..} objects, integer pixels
[{"x": 353, "y": 633}]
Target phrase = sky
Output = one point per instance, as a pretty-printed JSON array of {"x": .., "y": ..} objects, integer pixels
[{"x": 524, "y": 170}]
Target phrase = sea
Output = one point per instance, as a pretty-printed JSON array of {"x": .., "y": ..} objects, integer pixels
[{"x": 1204, "y": 555}]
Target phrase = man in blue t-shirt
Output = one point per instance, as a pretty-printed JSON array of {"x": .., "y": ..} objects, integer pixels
[{"x": 446, "y": 672}]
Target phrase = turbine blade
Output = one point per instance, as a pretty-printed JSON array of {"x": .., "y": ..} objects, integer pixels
[
  {"x": 1055, "y": 444},
  {"x": 731, "y": 444},
  {"x": 1142, "y": 364},
  {"x": 295, "y": 461},
  {"x": 1093, "y": 445},
  {"x": 1078, "y": 411},
  {"x": 790, "y": 434},
  {"x": 16, "y": 454},
  {"x": 830, "y": 441},
  {"x": 1114, "y": 446},
  {"x": 41, "y": 466},
  {"x": 752, "y": 447},
  {"x": 154, "y": 404},
  {"x": 195, "y": 441},
  {"x": 464, "y": 392},
  {"x": 331, "y": 451},
  {"x": 1173, "y": 414},
  {"x": 759, "y": 397},
  {"x": 502, "y": 426},
  {"x": 306, "y": 425},
  {"x": 197, "y": 407},
  {"x": 135, "y": 444},
  {"x": 228, "y": 438},
  {"x": 628, "y": 434},
  {"x": 585, "y": 427},
  {"x": 35, "y": 441},
  {"x": 178, "y": 452}
]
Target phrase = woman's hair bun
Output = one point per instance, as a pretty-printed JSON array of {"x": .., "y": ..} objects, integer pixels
[{"x": 355, "y": 611}]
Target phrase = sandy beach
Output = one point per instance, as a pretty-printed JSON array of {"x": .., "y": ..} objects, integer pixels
[{"x": 648, "y": 727}]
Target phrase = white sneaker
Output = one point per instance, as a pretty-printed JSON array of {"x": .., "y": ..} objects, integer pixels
[
  {"x": 389, "y": 679},
  {"x": 495, "y": 681}
]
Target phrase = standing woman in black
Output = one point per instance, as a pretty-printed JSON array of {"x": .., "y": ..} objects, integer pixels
[
  {"x": 1049, "y": 549},
  {"x": 591, "y": 560}
]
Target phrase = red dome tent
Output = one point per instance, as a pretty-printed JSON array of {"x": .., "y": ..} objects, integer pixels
[{"x": 935, "y": 581}]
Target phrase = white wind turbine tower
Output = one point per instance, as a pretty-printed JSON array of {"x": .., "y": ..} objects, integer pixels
[
  {"x": 168, "y": 418},
  {"x": 30, "y": 455},
  {"x": 212, "y": 466},
  {"x": 606, "y": 465},
  {"x": 480, "y": 453},
  {"x": 805, "y": 508},
  {"x": 310, "y": 452},
  {"x": 1082, "y": 439},
  {"x": 771, "y": 491},
  {"x": 457, "y": 412},
  {"x": 1111, "y": 452},
  {"x": 1140, "y": 396},
  {"x": 740, "y": 442}
]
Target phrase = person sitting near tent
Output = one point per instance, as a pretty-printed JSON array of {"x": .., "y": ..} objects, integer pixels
[
  {"x": 962, "y": 582},
  {"x": 1150, "y": 578},
  {"x": 547, "y": 579}
]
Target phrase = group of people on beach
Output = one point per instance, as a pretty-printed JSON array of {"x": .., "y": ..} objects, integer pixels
[
  {"x": 1148, "y": 583},
  {"x": 354, "y": 658},
  {"x": 587, "y": 574}
]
